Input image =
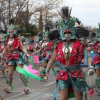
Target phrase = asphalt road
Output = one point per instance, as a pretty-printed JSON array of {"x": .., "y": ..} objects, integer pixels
[{"x": 39, "y": 90}]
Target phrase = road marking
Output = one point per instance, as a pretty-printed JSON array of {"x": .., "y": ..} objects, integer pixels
[
  {"x": 49, "y": 83},
  {"x": 35, "y": 94}
]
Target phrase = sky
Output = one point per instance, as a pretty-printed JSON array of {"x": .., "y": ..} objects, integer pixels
[{"x": 87, "y": 11}]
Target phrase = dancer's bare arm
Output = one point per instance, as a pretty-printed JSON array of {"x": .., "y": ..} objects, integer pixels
[
  {"x": 4, "y": 51},
  {"x": 22, "y": 48},
  {"x": 51, "y": 61}
]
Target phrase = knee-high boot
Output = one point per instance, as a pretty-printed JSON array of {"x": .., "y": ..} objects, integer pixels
[
  {"x": 25, "y": 82},
  {"x": 9, "y": 83}
]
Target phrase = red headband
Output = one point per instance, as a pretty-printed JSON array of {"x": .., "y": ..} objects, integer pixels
[{"x": 67, "y": 31}]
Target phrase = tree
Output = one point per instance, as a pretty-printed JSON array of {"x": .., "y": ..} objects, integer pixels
[
  {"x": 36, "y": 12},
  {"x": 49, "y": 23},
  {"x": 46, "y": 11},
  {"x": 32, "y": 29}
]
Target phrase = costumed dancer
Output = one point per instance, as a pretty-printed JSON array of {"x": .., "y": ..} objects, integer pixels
[
  {"x": 13, "y": 48},
  {"x": 69, "y": 54},
  {"x": 86, "y": 36},
  {"x": 36, "y": 51},
  {"x": 47, "y": 50},
  {"x": 96, "y": 63},
  {"x": 90, "y": 56}
]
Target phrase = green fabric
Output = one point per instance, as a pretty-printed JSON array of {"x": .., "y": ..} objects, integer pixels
[
  {"x": 26, "y": 73},
  {"x": 32, "y": 61},
  {"x": 72, "y": 22},
  {"x": 61, "y": 23},
  {"x": 55, "y": 71},
  {"x": 71, "y": 95}
]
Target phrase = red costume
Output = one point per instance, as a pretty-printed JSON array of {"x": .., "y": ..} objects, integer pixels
[
  {"x": 76, "y": 57},
  {"x": 76, "y": 54},
  {"x": 13, "y": 49},
  {"x": 47, "y": 49},
  {"x": 96, "y": 59}
]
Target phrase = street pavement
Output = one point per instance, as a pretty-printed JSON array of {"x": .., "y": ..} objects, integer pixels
[{"x": 39, "y": 90}]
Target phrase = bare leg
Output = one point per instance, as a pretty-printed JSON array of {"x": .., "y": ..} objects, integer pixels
[
  {"x": 10, "y": 70},
  {"x": 64, "y": 94},
  {"x": 98, "y": 76},
  {"x": 78, "y": 95}
]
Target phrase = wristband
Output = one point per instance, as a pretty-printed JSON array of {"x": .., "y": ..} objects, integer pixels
[
  {"x": 25, "y": 52},
  {"x": 91, "y": 67},
  {"x": 47, "y": 71}
]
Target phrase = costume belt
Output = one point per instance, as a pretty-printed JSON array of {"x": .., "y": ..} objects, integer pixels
[
  {"x": 14, "y": 51},
  {"x": 13, "y": 55},
  {"x": 72, "y": 68}
]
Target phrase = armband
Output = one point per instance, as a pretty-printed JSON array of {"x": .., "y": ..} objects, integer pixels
[
  {"x": 47, "y": 71},
  {"x": 25, "y": 52},
  {"x": 91, "y": 67}
]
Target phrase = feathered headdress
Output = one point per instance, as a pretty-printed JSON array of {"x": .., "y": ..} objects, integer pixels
[
  {"x": 67, "y": 21},
  {"x": 11, "y": 28},
  {"x": 65, "y": 12}
]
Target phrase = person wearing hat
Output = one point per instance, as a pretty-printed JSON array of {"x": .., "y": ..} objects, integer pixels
[
  {"x": 13, "y": 47},
  {"x": 46, "y": 51},
  {"x": 69, "y": 54}
]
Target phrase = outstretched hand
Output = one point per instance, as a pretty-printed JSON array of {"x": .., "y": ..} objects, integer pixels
[
  {"x": 45, "y": 77},
  {"x": 28, "y": 55}
]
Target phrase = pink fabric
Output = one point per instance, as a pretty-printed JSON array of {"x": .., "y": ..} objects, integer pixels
[
  {"x": 36, "y": 59},
  {"x": 33, "y": 71},
  {"x": 29, "y": 66}
]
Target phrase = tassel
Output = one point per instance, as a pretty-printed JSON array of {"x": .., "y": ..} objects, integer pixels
[{"x": 91, "y": 92}]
